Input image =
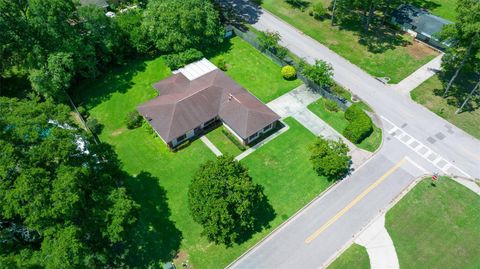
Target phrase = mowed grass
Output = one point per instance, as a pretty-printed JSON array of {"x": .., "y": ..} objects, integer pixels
[
  {"x": 159, "y": 179},
  {"x": 222, "y": 142},
  {"x": 283, "y": 167},
  {"x": 355, "y": 257},
  {"x": 382, "y": 53},
  {"x": 338, "y": 122},
  {"x": 436, "y": 227},
  {"x": 466, "y": 120},
  {"x": 441, "y": 8},
  {"x": 254, "y": 71}
]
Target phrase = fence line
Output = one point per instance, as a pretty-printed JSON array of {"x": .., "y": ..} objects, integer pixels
[{"x": 252, "y": 39}]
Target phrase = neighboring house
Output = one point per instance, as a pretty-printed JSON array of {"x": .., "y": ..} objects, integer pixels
[
  {"x": 198, "y": 96},
  {"x": 100, "y": 3},
  {"x": 421, "y": 24}
]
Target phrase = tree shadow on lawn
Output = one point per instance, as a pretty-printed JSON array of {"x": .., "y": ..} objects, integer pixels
[
  {"x": 263, "y": 215},
  {"x": 154, "y": 239},
  {"x": 92, "y": 92},
  {"x": 222, "y": 48},
  {"x": 463, "y": 84},
  {"x": 376, "y": 41}
]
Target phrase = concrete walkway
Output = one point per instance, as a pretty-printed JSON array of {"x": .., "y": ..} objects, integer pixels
[
  {"x": 379, "y": 245},
  {"x": 211, "y": 146},
  {"x": 294, "y": 104},
  {"x": 418, "y": 77}
]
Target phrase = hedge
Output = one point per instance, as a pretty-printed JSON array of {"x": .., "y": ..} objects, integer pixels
[{"x": 360, "y": 125}]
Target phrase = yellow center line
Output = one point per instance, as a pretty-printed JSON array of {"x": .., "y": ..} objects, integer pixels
[{"x": 353, "y": 202}]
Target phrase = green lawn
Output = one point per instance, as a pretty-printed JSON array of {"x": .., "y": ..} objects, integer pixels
[
  {"x": 254, "y": 71},
  {"x": 441, "y": 8},
  {"x": 159, "y": 179},
  {"x": 338, "y": 122},
  {"x": 436, "y": 227},
  {"x": 355, "y": 257},
  {"x": 466, "y": 120},
  {"x": 383, "y": 53},
  {"x": 222, "y": 142}
]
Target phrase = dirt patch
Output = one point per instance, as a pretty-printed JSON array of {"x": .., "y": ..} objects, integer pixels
[
  {"x": 181, "y": 260},
  {"x": 119, "y": 131},
  {"x": 419, "y": 50}
]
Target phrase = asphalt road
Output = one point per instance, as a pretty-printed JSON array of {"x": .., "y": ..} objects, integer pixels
[{"x": 416, "y": 142}]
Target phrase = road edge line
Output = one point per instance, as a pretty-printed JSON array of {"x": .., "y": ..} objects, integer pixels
[
  {"x": 300, "y": 211},
  {"x": 380, "y": 213}
]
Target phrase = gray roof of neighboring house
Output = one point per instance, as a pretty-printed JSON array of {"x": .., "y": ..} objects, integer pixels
[
  {"x": 100, "y": 3},
  {"x": 183, "y": 105},
  {"x": 423, "y": 22}
]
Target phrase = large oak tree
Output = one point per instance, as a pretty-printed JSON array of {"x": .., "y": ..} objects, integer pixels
[{"x": 62, "y": 204}]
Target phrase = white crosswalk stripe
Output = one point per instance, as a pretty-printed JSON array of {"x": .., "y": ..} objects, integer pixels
[{"x": 420, "y": 148}]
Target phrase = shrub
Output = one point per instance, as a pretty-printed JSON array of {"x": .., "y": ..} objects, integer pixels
[
  {"x": 234, "y": 140},
  {"x": 182, "y": 145},
  {"x": 289, "y": 72},
  {"x": 133, "y": 120},
  {"x": 94, "y": 126},
  {"x": 331, "y": 105},
  {"x": 352, "y": 112},
  {"x": 178, "y": 60},
  {"x": 318, "y": 11},
  {"x": 83, "y": 112},
  {"x": 360, "y": 125},
  {"x": 221, "y": 63}
]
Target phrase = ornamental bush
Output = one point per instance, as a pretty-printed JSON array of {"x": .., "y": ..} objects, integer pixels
[
  {"x": 360, "y": 125},
  {"x": 221, "y": 63},
  {"x": 289, "y": 72},
  {"x": 133, "y": 120}
]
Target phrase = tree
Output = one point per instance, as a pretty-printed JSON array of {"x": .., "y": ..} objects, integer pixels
[
  {"x": 269, "y": 41},
  {"x": 177, "y": 25},
  {"x": 224, "y": 200},
  {"x": 62, "y": 203},
  {"x": 465, "y": 34},
  {"x": 54, "y": 78},
  {"x": 321, "y": 72},
  {"x": 329, "y": 158}
]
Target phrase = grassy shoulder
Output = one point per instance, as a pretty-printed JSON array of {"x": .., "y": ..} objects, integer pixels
[
  {"x": 355, "y": 257},
  {"x": 382, "y": 53},
  {"x": 254, "y": 71},
  {"x": 159, "y": 178},
  {"x": 425, "y": 95},
  {"x": 436, "y": 226},
  {"x": 338, "y": 122}
]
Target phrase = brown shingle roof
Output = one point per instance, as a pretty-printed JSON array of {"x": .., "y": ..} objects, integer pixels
[{"x": 184, "y": 105}]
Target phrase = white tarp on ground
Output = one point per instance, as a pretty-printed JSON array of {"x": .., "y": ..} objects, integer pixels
[{"x": 196, "y": 69}]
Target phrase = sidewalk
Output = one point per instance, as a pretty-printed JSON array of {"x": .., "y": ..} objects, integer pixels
[{"x": 418, "y": 77}]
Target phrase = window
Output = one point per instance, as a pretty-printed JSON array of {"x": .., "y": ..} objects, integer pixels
[
  {"x": 267, "y": 128},
  {"x": 182, "y": 137}
]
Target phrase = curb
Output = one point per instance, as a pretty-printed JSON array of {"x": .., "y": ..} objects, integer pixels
[{"x": 380, "y": 213}]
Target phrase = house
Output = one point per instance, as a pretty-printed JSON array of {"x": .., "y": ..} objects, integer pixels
[
  {"x": 200, "y": 95},
  {"x": 100, "y": 3},
  {"x": 421, "y": 24}
]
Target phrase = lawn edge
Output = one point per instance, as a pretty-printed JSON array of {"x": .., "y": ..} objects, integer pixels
[
  {"x": 379, "y": 214},
  {"x": 296, "y": 214},
  {"x": 313, "y": 39}
]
